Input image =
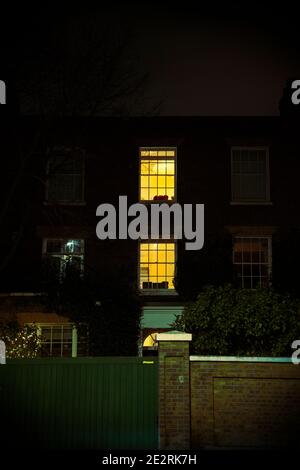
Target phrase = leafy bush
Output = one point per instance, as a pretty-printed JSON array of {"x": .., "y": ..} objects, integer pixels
[{"x": 229, "y": 321}]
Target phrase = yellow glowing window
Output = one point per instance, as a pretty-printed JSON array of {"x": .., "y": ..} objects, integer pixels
[
  {"x": 157, "y": 265},
  {"x": 157, "y": 174}
]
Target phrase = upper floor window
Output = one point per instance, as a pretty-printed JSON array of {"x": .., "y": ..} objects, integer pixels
[
  {"x": 250, "y": 174},
  {"x": 252, "y": 261},
  {"x": 157, "y": 174},
  {"x": 64, "y": 252},
  {"x": 157, "y": 265},
  {"x": 65, "y": 177}
]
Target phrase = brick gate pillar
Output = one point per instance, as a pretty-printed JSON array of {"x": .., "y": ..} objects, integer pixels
[{"x": 174, "y": 390}]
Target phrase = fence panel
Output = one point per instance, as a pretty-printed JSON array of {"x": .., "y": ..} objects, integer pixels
[{"x": 88, "y": 403}]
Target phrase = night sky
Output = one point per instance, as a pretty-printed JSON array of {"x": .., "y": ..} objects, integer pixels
[{"x": 212, "y": 61}]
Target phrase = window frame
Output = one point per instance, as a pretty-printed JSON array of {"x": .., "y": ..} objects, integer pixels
[
  {"x": 46, "y": 254},
  {"x": 61, "y": 152},
  {"x": 156, "y": 291},
  {"x": 74, "y": 341},
  {"x": 269, "y": 264},
  {"x": 267, "y": 200},
  {"x": 159, "y": 148}
]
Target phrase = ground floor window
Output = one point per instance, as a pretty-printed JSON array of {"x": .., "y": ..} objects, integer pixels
[
  {"x": 62, "y": 340},
  {"x": 252, "y": 261}
]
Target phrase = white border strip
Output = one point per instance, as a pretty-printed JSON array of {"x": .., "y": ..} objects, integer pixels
[{"x": 239, "y": 359}]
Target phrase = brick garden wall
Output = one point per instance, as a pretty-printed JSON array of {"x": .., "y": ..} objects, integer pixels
[
  {"x": 245, "y": 404},
  {"x": 226, "y": 402}
]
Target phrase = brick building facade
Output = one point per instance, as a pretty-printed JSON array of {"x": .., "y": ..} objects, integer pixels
[{"x": 244, "y": 171}]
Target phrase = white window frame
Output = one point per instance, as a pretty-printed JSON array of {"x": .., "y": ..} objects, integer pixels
[
  {"x": 165, "y": 148},
  {"x": 39, "y": 326},
  {"x": 265, "y": 201}
]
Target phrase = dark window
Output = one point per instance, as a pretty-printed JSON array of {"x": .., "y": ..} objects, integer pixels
[
  {"x": 249, "y": 175},
  {"x": 65, "y": 181},
  {"x": 252, "y": 261}
]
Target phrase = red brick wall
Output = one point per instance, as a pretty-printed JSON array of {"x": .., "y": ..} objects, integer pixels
[
  {"x": 244, "y": 404},
  {"x": 226, "y": 404},
  {"x": 174, "y": 395}
]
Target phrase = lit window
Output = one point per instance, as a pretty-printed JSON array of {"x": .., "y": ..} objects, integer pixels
[
  {"x": 250, "y": 174},
  {"x": 65, "y": 178},
  {"x": 61, "y": 340},
  {"x": 62, "y": 253},
  {"x": 157, "y": 174},
  {"x": 157, "y": 265},
  {"x": 252, "y": 261}
]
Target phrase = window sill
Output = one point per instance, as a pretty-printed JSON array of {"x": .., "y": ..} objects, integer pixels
[
  {"x": 167, "y": 201},
  {"x": 251, "y": 203},
  {"x": 164, "y": 292}
]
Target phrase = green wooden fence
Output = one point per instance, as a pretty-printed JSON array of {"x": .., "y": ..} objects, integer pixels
[{"x": 82, "y": 403}]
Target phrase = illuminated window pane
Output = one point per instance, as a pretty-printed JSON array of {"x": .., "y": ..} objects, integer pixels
[
  {"x": 162, "y": 255},
  {"x": 170, "y": 256},
  {"x": 72, "y": 246},
  {"x": 161, "y": 168},
  {"x": 153, "y": 269},
  {"x": 170, "y": 167},
  {"x": 170, "y": 270},
  {"x": 145, "y": 167},
  {"x": 152, "y": 193},
  {"x": 153, "y": 168},
  {"x": 170, "y": 180},
  {"x": 145, "y": 270},
  {"x": 152, "y": 256},
  {"x": 144, "y": 194},
  {"x": 144, "y": 181},
  {"x": 158, "y": 272},
  {"x": 144, "y": 256},
  {"x": 152, "y": 246},
  {"x": 153, "y": 181},
  {"x": 170, "y": 193},
  {"x": 161, "y": 181},
  {"x": 161, "y": 246},
  {"x": 161, "y": 269},
  {"x": 161, "y": 191}
]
